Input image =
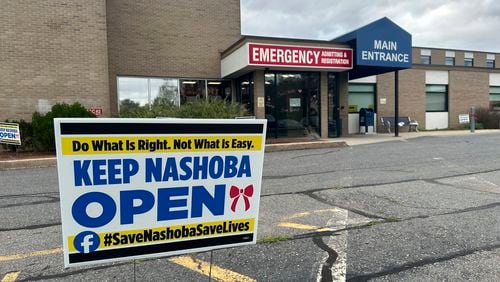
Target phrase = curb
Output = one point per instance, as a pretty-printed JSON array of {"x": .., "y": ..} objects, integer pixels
[
  {"x": 28, "y": 163},
  {"x": 51, "y": 162},
  {"x": 279, "y": 147},
  {"x": 304, "y": 146}
]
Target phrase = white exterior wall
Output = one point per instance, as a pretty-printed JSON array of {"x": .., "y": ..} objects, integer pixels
[
  {"x": 436, "y": 120},
  {"x": 368, "y": 79},
  {"x": 450, "y": 54},
  {"x": 235, "y": 61},
  {"x": 436, "y": 77},
  {"x": 494, "y": 79}
]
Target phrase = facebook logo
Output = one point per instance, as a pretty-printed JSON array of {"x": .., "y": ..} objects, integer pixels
[{"x": 86, "y": 242}]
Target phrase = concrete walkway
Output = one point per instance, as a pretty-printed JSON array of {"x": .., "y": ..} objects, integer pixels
[
  {"x": 351, "y": 140},
  {"x": 360, "y": 139}
]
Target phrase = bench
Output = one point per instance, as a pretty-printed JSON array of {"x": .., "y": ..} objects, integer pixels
[{"x": 388, "y": 123}]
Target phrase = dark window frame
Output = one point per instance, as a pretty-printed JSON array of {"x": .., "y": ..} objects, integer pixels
[
  {"x": 492, "y": 66},
  {"x": 247, "y": 82},
  {"x": 425, "y": 59},
  {"x": 452, "y": 61},
  {"x": 494, "y": 91},
  {"x": 220, "y": 86},
  {"x": 446, "y": 109},
  {"x": 468, "y": 60}
]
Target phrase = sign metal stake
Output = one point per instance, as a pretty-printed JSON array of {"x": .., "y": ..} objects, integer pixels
[
  {"x": 134, "y": 272},
  {"x": 210, "y": 267}
]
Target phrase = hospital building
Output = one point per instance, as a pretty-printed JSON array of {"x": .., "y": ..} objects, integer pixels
[{"x": 108, "y": 54}]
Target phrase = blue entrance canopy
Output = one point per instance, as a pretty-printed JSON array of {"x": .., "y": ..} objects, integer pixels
[{"x": 379, "y": 47}]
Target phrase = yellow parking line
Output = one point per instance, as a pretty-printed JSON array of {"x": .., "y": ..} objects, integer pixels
[
  {"x": 11, "y": 276},
  {"x": 32, "y": 254},
  {"x": 218, "y": 273},
  {"x": 303, "y": 214},
  {"x": 300, "y": 214},
  {"x": 305, "y": 226},
  {"x": 297, "y": 226},
  {"x": 200, "y": 266}
]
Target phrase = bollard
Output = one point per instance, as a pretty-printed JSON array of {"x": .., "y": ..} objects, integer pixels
[{"x": 472, "y": 119}]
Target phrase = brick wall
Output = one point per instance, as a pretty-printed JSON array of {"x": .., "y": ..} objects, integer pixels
[
  {"x": 437, "y": 56},
  {"x": 385, "y": 90},
  {"x": 480, "y": 60},
  {"x": 416, "y": 55},
  {"x": 52, "y": 51},
  {"x": 169, "y": 38},
  {"x": 411, "y": 95},
  {"x": 466, "y": 89},
  {"x": 459, "y": 58}
]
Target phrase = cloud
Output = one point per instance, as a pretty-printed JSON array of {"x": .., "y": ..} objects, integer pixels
[{"x": 459, "y": 24}]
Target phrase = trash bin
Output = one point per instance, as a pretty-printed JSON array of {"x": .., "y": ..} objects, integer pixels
[{"x": 366, "y": 120}]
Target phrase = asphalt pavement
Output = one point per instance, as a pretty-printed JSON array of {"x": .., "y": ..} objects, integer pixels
[{"x": 413, "y": 208}]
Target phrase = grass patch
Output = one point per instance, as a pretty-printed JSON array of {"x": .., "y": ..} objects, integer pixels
[
  {"x": 273, "y": 239},
  {"x": 373, "y": 223},
  {"x": 393, "y": 219}
]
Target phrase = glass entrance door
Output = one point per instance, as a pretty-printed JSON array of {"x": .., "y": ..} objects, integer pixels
[
  {"x": 292, "y": 104},
  {"x": 334, "y": 121}
]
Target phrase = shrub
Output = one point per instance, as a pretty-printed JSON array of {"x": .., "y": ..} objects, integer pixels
[
  {"x": 212, "y": 108},
  {"x": 200, "y": 108},
  {"x": 128, "y": 108},
  {"x": 487, "y": 119},
  {"x": 43, "y": 125}
]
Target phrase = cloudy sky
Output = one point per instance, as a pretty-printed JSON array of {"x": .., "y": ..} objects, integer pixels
[{"x": 459, "y": 24}]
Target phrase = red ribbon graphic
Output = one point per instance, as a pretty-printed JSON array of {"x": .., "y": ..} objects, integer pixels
[{"x": 235, "y": 193}]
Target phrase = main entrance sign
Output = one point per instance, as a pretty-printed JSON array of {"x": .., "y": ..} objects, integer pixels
[
  {"x": 381, "y": 46},
  {"x": 299, "y": 56},
  {"x": 385, "y": 51},
  {"x": 140, "y": 188}
]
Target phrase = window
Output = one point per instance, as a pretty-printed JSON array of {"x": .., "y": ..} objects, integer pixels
[
  {"x": 191, "y": 90},
  {"x": 164, "y": 91},
  {"x": 490, "y": 63},
  {"x": 436, "y": 98},
  {"x": 425, "y": 57},
  {"x": 449, "y": 61},
  {"x": 468, "y": 62},
  {"x": 135, "y": 92},
  {"x": 425, "y": 60},
  {"x": 361, "y": 96},
  {"x": 468, "y": 59},
  {"x": 219, "y": 89},
  {"x": 244, "y": 92},
  {"x": 495, "y": 98}
]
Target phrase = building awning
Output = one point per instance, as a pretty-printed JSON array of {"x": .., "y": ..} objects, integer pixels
[
  {"x": 289, "y": 55},
  {"x": 379, "y": 47}
]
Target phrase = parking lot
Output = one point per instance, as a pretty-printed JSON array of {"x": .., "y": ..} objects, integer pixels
[{"x": 420, "y": 209}]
